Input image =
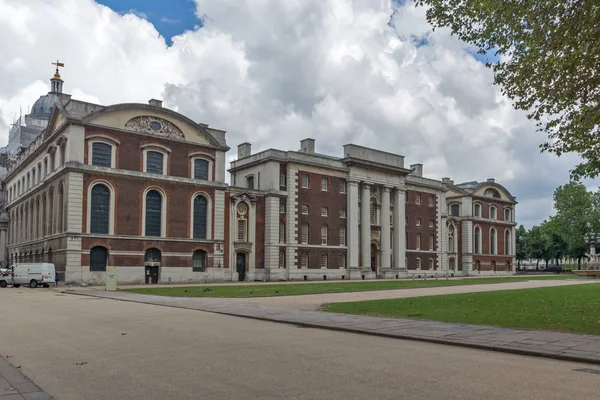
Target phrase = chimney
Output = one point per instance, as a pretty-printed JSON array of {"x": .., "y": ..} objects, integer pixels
[
  {"x": 446, "y": 180},
  {"x": 307, "y": 146},
  {"x": 491, "y": 180},
  {"x": 155, "y": 103},
  {"x": 244, "y": 150},
  {"x": 417, "y": 169}
]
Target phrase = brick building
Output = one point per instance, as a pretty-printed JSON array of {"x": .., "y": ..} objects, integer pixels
[{"x": 142, "y": 188}]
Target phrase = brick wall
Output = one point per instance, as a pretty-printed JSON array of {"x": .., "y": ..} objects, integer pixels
[{"x": 424, "y": 211}]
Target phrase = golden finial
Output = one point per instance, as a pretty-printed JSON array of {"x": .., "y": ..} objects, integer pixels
[{"x": 58, "y": 64}]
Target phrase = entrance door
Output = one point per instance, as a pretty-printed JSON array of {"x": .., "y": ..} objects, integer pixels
[
  {"x": 373, "y": 257},
  {"x": 152, "y": 274},
  {"x": 241, "y": 266}
]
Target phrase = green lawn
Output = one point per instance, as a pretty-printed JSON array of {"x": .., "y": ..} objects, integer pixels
[
  {"x": 564, "y": 308},
  {"x": 261, "y": 290}
]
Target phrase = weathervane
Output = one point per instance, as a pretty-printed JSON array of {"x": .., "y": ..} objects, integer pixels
[{"x": 58, "y": 64}]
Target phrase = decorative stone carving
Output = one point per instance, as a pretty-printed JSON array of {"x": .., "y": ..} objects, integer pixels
[
  {"x": 154, "y": 126},
  {"x": 243, "y": 196}
]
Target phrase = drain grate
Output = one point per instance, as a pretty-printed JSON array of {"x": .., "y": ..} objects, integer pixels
[{"x": 588, "y": 370}]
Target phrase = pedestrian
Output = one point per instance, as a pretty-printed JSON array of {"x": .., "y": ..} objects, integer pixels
[{"x": 56, "y": 279}]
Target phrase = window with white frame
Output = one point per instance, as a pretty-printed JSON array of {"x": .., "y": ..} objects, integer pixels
[
  {"x": 102, "y": 154},
  {"x": 282, "y": 206},
  {"x": 493, "y": 212},
  {"x": 305, "y": 181},
  {"x": 493, "y": 246},
  {"x": 342, "y": 213},
  {"x": 200, "y": 217},
  {"x": 455, "y": 210},
  {"x": 418, "y": 262},
  {"x": 431, "y": 200},
  {"x": 250, "y": 182},
  {"x": 324, "y": 261},
  {"x": 304, "y": 260},
  {"x": 507, "y": 216},
  {"x": 477, "y": 210},
  {"x": 431, "y": 265},
  {"x": 431, "y": 241},
  {"x": 324, "y": 211},
  {"x": 342, "y": 236},
  {"x": 241, "y": 227},
  {"x": 342, "y": 261},
  {"x": 342, "y": 186},
  {"x": 507, "y": 242},
  {"x": 477, "y": 240},
  {"x": 431, "y": 223},
  {"x": 201, "y": 169},
  {"x": 304, "y": 209},
  {"x": 304, "y": 238},
  {"x": 418, "y": 221},
  {"x": 154, "y": 213},
  {"x": 281, "y": 259},
  {"x": 324, "y": 235},
  {"x": 418, "y": 198},
  {"x": 282, "y": 180},
  {"x": 33, "y": 178},
  {"x": 281, "y": 232},
  {"x": 155, "y": 159},
  {"x": 100, "y": 209},
  {"x": 324, "y": 184},
  {"x": 418, "y": 241}
]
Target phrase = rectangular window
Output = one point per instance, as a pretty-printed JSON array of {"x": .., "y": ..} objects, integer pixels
[
  {"x": 431, "y": 223},
  {"x": 282, "y": 180},
  {"x": 250, "y": 182},
  {"x": 305, "y": 209},
  {"x": 418, "y": 241},
  {"x": 324, "y": 184},
  {"x": 455, "y": 210},
  {"x": 324, "y": 260},
  {"x": 418, "y": 221},
  {"x": 241, "y": 236},
  {"x": 282, "y": 206},
  {"x": 342, "y": 236},
  {"x": 418, "y": 198},
  {"x": 431, "y": 200},
  {"x": 342, "y": 261},
  {"x": 431, "y": 264},
  {"x": 281, "y": 232},
  {"x": 201, "y": 169},
  {"x": 304, "y": 239},
  {"x": 418, "y": 262},
  {"x": 154, "y": 162},
  {"x": 324, "y": 235},
  {"x": 101, "y": 154},
  {"x": 304, "y": 260},
  {"x": 493, "y": 212},
  {"x": 305, "y": 181},
  {"x": 431, "y": 241},
  {"x": 342, "y": 186},
  {"x": 342, "y": 213},
  {"x": 507, "y": 214},
  {"x": 477, "y": 210},
  {"x": 324, "y": 212},
  {"x": 282, "y": 259}
]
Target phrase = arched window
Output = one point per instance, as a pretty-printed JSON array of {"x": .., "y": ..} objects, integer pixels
[
  {"x": 199, "y": 261},
  {"x": 507, "y": 242},
  {"x": 493, "y": 247},
  {"x": 493, "y": 212},
  {"x": 477, "y": 240},
  {"x": 43, "y": 217},
  {"x": 153, "y": 213},
  {"x": 100, "y": 209},
  {"x": 373, "y": 211},
  {"x": 200, "y": 217},
  {"x": 153, "y": 255},
  {"x": 101, "y": 154},
  {"x": 98, "y": 258},
  {"x": 154, "y": 162},
  {"x": 61, "y": 208},
  {"x": 201, "y": 169},
  {"x": 51, "y": 212}
]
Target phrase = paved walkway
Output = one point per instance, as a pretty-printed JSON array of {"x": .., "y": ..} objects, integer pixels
[
  {"x": 16, "y": 386},
  {"x": 563, "y": 346}
]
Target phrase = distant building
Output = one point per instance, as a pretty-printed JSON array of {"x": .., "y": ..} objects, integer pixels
[{"x": 142, "y": 188}]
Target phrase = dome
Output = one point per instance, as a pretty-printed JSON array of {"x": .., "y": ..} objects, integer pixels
[{"x": 43, "y": 106}]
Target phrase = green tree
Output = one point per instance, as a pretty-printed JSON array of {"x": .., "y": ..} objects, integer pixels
[
  {"x": 549, "y": 52},
  {"x": 522, "y": 247},
  {"x": 573, "y": 205},
  {"x": 537, "y": 244}
]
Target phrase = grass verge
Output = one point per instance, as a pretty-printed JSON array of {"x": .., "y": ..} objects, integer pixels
[
  {"x": 259, "y": 290},
  {"x": 564, "y": 308}
]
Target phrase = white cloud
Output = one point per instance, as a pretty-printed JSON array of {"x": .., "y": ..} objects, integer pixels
[{"x": 271, "y": 72}]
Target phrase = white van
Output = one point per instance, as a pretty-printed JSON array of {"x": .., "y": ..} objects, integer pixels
[{"x": 33, "y": 274}]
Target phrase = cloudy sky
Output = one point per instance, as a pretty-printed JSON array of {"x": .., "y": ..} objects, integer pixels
[{"x": 273, "y": 72}]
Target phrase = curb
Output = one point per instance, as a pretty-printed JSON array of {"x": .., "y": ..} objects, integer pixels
[{"x": 501, "y": 349}]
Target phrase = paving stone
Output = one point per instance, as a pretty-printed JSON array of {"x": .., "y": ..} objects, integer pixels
[
  {"x": 37, "y": 396},
  {"x": 26, "y": 387}
]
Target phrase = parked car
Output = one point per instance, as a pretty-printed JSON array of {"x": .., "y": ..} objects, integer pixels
[
  {"x": 557, "y": 269},
  {"x": 5, "y": 277},
  {"x": 33, "y": 274}
]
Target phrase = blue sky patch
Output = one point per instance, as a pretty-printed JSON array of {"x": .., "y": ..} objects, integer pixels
[{"x": 170, "y": 18}]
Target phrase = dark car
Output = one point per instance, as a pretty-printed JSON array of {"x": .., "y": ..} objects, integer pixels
[{"x": 553, "y": 268}]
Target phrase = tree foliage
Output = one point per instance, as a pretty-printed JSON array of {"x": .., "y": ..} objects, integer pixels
[{"x": 549, "y": 53}]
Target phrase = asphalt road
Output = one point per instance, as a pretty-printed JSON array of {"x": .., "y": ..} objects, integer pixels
[{"x": 136, "y": 351}]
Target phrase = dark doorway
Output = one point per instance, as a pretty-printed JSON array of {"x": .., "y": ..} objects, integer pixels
[
  {"x": 373, "y": 257},
  {"x": 152, "y": 262},
  {"x": 241, "y": 266}
]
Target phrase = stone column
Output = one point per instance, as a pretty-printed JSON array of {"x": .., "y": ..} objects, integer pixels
[
  {"x": 271, "y": 255},
  {"x": 399, "y": 245},
  {"x": 385, "y": 228},
  {"x": 365, "y": 226},
  {"x": 352, "y": 221}
]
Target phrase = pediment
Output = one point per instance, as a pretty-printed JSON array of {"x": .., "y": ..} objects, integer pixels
[{"x": 243, "y": 196}]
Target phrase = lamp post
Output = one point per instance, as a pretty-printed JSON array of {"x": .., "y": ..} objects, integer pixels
[{"x": 592, "y": 240}]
